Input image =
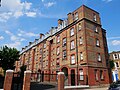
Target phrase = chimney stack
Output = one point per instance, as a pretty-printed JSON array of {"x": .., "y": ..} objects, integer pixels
[
  {"x": 60, "y": 21},
  {"x": 41, "y": 35}
]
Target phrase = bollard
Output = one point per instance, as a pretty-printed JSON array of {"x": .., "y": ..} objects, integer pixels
[
  {"x": 8, "y": 80},
  {"x": 26, "y": 81},
  {"x": 61, "y": 81}
]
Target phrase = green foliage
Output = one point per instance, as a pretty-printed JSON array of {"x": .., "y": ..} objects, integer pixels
[
  {"x": 8, "y": 56},
  {"x": 111, "y": 64}
]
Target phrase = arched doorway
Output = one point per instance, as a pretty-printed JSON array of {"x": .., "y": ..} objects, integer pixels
[{"x": 65, "y": 70}]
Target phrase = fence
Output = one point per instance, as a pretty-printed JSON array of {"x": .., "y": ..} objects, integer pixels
[
  {"x": 70, "y": 82},
  {"x": 38, "y": 77},
  {"x": 17, "y": 82},
  {"x": 74, "y": 79}
]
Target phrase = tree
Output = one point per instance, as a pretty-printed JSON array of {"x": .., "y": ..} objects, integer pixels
[
  {"x": 8, "y": 56},
  {"x": 111, "y": 64}
]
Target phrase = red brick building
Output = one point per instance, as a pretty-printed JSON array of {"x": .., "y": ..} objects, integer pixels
[{"x": 77, "y": 46}]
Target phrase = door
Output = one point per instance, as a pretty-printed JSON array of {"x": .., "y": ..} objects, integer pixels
[{"x": 72, "y": 77}]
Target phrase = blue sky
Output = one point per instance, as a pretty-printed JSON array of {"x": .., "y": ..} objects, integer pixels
[{"x": 21, "y": 21}]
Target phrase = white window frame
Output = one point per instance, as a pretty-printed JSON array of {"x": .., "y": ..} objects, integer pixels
[
  {"x": 94, "y": 17},
  {"x": 71, "y": 31},
  {"x": 99, "y": 57},
  {"x": 81, "y": 74},
  {"x": 57, "y": 61},
  {"x": 58, "y": 39},
  {"x": 101, "y": 75},
  {"x": 81, "y": 40},
  {"x": 72, "y": 44},
  {"x": 76, "y": 16},
  {"x": 73, "y": 59},
  {"x": 64, "y": 41},
  {"x": 64, "y": 54},
  {"x": 96, "y": 74},
  {"x": 79, "y": 26},
  {"x": 81, "y": 56},
  {"x": 96, "y": 29},
  {"x": 117, "y": 64},
  {"x": 97, "y": 42},
  {"x": 44, "y": 46},
  {"x": 58, "y": 50}
]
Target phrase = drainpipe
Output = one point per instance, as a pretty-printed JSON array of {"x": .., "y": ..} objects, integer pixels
[{"x": 76, "y": 51}]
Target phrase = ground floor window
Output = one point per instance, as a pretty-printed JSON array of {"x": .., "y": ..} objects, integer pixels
[{"x": 81, "y": 74}]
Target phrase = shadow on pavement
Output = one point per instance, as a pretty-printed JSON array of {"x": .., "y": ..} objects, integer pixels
[{"x": 42, "y": 86}]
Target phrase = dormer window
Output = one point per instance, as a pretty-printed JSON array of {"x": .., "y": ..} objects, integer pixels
[{"x": 76, "y": 16}]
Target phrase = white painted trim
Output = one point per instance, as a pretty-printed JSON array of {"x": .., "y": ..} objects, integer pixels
[
  {"x": 60, "y": 73},
  {"x": 9, "y": 71},
  {"x": 80, "y": 86},
  {"x": 27, "y": 71}
]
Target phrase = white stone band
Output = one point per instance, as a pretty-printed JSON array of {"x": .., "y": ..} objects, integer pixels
[{"x": 60, "y": 73}]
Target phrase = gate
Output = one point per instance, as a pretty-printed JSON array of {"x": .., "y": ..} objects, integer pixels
[
  {"x": 17, "y": 82},
  {"x": 1, "y": 81}
]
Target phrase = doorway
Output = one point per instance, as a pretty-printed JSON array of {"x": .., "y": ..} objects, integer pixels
[{"x": 72, "y": 77}]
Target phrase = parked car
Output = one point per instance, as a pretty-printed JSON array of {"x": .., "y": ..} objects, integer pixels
[{"x": 114, "y": 85}]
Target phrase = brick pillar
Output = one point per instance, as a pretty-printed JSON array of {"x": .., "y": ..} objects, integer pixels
[
  {"x": 61, "y": 81},
  {"x": 26, "y": 82},
  {"x": 8, "y": 80}
]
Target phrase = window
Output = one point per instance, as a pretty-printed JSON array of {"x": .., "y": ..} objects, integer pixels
[
  {"x": 71, "y": 31},
  {"x": 64, "y": 54},
  {"x": 79, "y": 26},
  {"x": 41, "y": 51},
  {"x": 58, "y": 50},
  {"x": 44, "y": 53},
  {"x": 96, "y": 29},
  {"x": 97, "y": 43},
  {"x": 101, "y": 75},
  {"x": 117, "y": 64},
  {"x": 76, "y": 16},
  {"x": 58, "y": 39},
  {"x": 94, "y": 17},
  {"x": 96, "y": 75},
  {"x": 115, "y": 56},
  {"x": 44, "y": 46},
  {"x": 81, "y": 40},
  {"x": 58, "y": 62},
  {"x": 81, "y": 56},
  {"x": 46, "y": 62},
  {"x": 81, "y": 74},
  {"x": 99, "y": 57},
  {"x": 72, "y": 45},
  {"x": 73, "y": 59},
  {"x": 64, "y": 42}
]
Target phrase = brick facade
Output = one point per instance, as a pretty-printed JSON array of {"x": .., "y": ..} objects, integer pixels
[{"x": 77, "y": 46}]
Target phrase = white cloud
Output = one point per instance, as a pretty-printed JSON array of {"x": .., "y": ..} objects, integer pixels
[
  {"x": 42, "y": 0},
  {"x": 13, "y": 8},
  {"x": 31, "y": 14},
  {"x": 27, "y": 34},
  {"x": 14, "y": 37},
  {"x": 107, "y": 0},
  {"x": 116, "y": 42},
  {"x": 49, "y": 4},
  {"x": 1, "y": 37},
  {"x": 15, "y": 44},
  {"x": 109, "y": 38}
]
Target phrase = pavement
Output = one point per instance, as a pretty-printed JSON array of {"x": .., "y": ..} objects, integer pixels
[{"x": 53, "y": 86}]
